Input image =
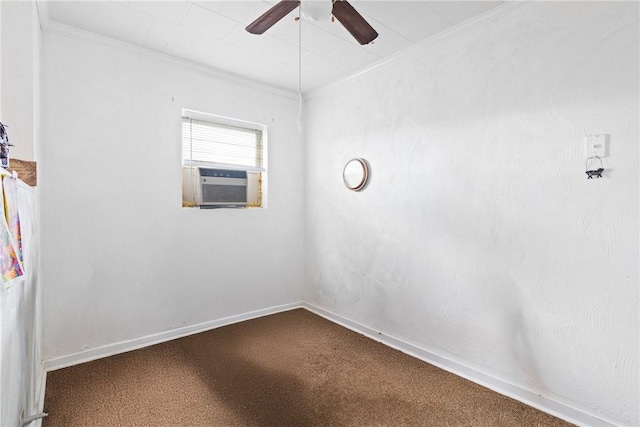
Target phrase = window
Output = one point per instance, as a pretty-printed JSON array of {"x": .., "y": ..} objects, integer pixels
[{"x": 223, "y": 162}]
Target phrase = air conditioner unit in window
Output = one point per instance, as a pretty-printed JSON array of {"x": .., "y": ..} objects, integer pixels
[{"x": 219, "y": 187}]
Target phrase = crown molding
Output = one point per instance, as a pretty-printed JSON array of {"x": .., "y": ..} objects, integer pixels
[
  {"x": 53, "y": 27},
  {"x": 507, "y": 8}
]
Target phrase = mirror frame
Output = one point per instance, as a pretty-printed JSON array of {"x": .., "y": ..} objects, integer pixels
[{"x": 362, "y": 178}]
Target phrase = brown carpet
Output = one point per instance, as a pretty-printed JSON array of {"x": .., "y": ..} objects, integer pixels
[{"x": 288, "y": 369}]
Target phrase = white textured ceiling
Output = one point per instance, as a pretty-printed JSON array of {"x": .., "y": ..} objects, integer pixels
[{"x": 213, "y": 33}]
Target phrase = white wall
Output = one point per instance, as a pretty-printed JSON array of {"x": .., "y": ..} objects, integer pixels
[
  {"x": 0, "y": 61},
  {"x": 19, "y": 67},
  {"x": 121, "y": 259},
  {"x": 479, "y": 236}
]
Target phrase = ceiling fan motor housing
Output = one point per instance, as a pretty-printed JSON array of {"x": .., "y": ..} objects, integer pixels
[{"x": 317, "y": 10}]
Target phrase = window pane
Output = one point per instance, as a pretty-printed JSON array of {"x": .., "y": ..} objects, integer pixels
[{"x": 217, "y": 143}]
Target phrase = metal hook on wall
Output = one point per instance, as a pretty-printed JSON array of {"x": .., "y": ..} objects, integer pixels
[{"x": 594, "y": 172}]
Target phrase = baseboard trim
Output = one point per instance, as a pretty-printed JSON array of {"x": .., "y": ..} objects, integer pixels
[
  {"x": 149, "y": 340},
  {"x": 528, "y": 397}
]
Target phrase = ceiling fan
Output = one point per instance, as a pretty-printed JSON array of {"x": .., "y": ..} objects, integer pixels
[{"x": 342, "y": 11}]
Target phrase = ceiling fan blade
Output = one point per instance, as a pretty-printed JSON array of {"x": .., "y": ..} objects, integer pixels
[
  {"x": 353, "y": 22},
  {"x": 271, "y": 16}
]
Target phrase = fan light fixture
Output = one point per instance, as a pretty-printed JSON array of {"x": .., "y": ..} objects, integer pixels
[{"x": 316, "y": 10}]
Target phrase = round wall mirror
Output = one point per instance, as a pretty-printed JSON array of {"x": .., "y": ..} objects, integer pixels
[{"x": 355, "y": 174}]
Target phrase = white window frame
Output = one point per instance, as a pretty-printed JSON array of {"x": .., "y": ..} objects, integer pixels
[{"x": 222, "y": 120}]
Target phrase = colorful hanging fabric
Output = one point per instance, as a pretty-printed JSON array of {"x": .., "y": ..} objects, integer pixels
[
  {"x": 10, "y": 187},
  {"x": 10, "y": 260}
]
